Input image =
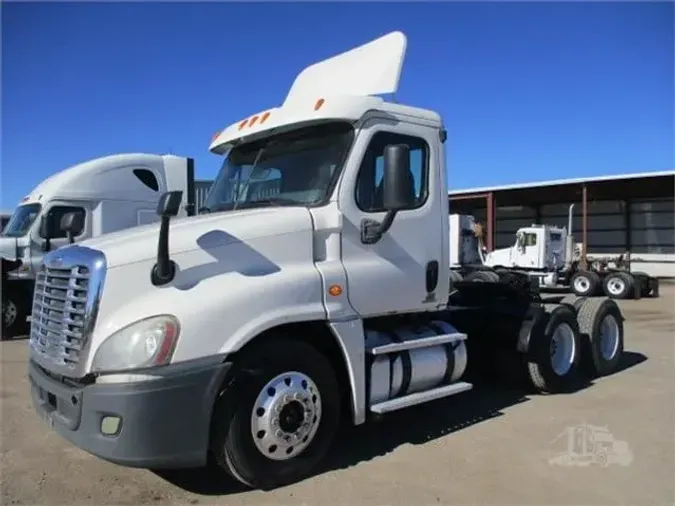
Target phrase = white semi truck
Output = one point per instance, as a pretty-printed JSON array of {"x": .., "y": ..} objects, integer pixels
[
  {"x": 547, "y": 254},
  {"x": 4, "y": 218},
  {"x": 313, "y": 293},
  {"x": 104, "y": 195}
]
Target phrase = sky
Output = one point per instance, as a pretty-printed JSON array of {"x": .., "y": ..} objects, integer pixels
[{"x": 528, "y": 91}]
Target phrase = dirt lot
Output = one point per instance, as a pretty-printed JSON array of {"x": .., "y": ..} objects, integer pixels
[{"x": 487, "y": 446}]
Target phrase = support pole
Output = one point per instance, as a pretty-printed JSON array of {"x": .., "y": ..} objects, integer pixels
[
  {"x": 490, "y": 218},
  {"x": 584, "y": 227}
]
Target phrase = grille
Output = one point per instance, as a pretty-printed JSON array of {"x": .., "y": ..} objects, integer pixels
[{"x": 59, "y": 311}]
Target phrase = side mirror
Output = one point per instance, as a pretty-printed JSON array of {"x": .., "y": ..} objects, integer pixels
[
  {"x": 398, "y": 184},
  {"x": 169, "y": 204},
  {"x": 70, "y": 224}
]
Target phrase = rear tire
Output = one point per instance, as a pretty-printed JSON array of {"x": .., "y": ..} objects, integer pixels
[
  {"x": 584, "y": 283},
  {"x": 573, "y": 301},
  {"x": 618, "y": 285},
  {"x": 277, "y": 416},
  {"x": 455, "y": 277},
  {"x": 601, "y": 326},
  {"x": 482, "y": 277},
  {"x": 554, "y": 351},
  {"x": 644, "y": 277}
]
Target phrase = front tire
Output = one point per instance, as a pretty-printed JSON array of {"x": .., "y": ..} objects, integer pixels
[
  {"x": 278, "y": 414},
  {"x": 14, "y": 314}
]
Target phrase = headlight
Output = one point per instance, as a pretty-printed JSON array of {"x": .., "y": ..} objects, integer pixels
[{"x": 145, "y": 343}]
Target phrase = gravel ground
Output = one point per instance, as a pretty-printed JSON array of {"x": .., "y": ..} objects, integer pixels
[{"x": 484, "y": 447}]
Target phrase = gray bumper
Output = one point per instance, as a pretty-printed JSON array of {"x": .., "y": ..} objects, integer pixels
[{"x": 164, "y": 422}]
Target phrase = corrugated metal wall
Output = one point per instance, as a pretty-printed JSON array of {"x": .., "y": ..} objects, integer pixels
[
  {"x": 651, "y": 233},
  {"x": 202, "y": 187}
]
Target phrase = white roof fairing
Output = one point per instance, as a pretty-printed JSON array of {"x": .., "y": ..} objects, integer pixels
[
  {"x": 373, "y": 68},
  {"x": 344, "y": 85}
]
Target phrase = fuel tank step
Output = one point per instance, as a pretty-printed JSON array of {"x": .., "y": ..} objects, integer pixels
[
  {"x": 413, "y": 344},
  {"x": 420, "y": 397}
]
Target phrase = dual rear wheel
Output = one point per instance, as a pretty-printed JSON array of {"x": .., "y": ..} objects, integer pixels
[{"x": 577, "y": 338}]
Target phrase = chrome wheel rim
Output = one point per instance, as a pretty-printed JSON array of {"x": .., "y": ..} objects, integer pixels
[
  {"x": 286, "y": 416},
  {"x": 582, "y": 285},
  {"x": 10, "y": 312},
  {"x": 563, "y": 349},
  {"x": 616, "y": 286},
  {"x": 609, "y": 337}
]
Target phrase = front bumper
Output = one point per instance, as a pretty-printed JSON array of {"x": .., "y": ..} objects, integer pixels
[{"x": 163, "y": 423}]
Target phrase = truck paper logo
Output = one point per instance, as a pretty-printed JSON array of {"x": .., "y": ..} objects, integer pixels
[{"x": 589, "y": 445}]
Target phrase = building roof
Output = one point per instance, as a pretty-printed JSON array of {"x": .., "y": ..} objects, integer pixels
[
  {"x": 646, "y": 185},
  {"x": 562, "y": 182}
]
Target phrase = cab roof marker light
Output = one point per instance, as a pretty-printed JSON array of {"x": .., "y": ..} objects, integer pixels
[
  {"x": 253, "y": 121},
  {"x": 243, "y": 123},
  {"x": 319, "y": 104},
  {"x": 264, "y": 117}
]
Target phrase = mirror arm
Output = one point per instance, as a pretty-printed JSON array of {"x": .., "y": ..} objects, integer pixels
[{"x": 373, "y": 230}]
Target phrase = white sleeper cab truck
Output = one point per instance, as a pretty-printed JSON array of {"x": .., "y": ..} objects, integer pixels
[
  {"x": 549, "y": 256},
  {"x": 94, "y": 198},
  {"x": 310, "y": 293}
]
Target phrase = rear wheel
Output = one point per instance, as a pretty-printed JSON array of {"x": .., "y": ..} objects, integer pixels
[
  {"x": 646, "y": 290},
  {"x": 584, "y": 283},
  {"x": 618, "y": 285},
  {"x": 277, "y": 417},
  {"x": 601, "y": 327},
  {"x": 482, "y": 277},
  {"x": 455, "y": 277},
  {"x": 554, "y": 351},
  {"x": 574, "y": 301}
]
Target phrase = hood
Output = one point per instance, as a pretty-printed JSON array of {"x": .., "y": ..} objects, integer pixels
[
  {"x": 187, "y": 234},
  {"x": 499, "y": 257},
  {"x": 8, "y": 247}
]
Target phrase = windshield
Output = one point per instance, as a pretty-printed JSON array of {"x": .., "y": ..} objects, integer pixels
[
  {"x": 293, "y": 168},
  {"x": 21, "y": 220}
]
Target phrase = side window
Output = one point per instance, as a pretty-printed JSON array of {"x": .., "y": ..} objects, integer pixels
[
  {"x": 147, "y": 177},
  {"x": 530, "y": 239},
  {"x": 369, "y": 188},
  {"x": 58, "y": 211}
]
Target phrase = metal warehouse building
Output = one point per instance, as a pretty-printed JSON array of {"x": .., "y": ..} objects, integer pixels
[{"x": 612, "y": 215}]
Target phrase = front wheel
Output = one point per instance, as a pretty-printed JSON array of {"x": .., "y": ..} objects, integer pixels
[
  {"x": 14, "y": 314},
  {"x": 278, "y": 414}
]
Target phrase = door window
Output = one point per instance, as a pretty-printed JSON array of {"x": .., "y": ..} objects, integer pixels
[
  {"x": 369, "y": 187},
  {"x": 57, "y": 212}
]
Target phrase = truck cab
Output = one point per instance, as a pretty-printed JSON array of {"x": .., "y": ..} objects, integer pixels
[
  {"x": 538, "y": 247},
  {"x": 314, "y": 289},
  {"x": 105, "y": 194}
]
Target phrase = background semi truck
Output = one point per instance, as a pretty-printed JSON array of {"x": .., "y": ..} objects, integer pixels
[
  {"x": 4, "y": 218},
  {"x": 105, "y": 195},
  {"x": 547, "y": 254},
  {"x": 311, "y": 293}
]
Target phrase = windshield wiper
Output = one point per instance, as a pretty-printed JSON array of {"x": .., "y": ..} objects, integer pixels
[{"x": 277, "y": 201}]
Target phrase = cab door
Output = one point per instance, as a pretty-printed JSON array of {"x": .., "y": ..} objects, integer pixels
[{"x": 402, "y": 271}]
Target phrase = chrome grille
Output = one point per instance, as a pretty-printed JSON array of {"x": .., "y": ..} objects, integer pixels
[{"x": 65, "y": 303}]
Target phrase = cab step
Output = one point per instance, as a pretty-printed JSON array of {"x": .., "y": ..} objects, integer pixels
[
  {"x": 413, "y": 344},
  {"x": 420, "y": 397}
]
